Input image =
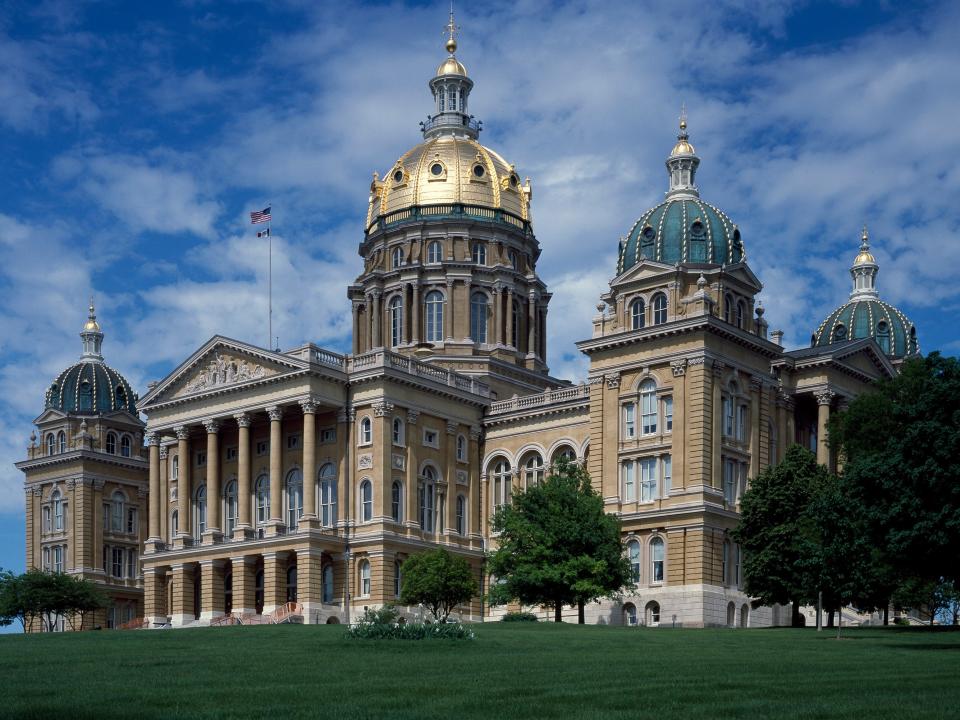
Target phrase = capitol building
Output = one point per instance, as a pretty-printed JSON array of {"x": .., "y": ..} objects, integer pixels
[{"x": 262, "y": 477}]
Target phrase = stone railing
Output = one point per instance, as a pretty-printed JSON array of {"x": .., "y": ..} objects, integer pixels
[
  {"x": 450, "y": 210},
  {"x": 386, "y": 359},
  {"x": 556, "y": 396}
]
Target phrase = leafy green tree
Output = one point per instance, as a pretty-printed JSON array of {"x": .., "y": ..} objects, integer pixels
[
  {"x": 901, "y": 450},
  {"x": 776, "y": 532},
  {"x": 557, "y": 546},
  {"x": 42, "y": 596},
  {"x": 438, "y": 580}
]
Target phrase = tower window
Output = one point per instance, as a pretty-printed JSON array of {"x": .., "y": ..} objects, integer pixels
[
  {"x": 111, "y": 443},
  {"x": 478, "y": 170},
  {"x": 659, "y": 309},
  {"x": 396, "y": 321},
  {"x": 637, "y": 311},
  {"x": 398, "y": 176},
  {"x": 479, "y": 253},
  {"x": 883, "y": 336},
  {"x": 433, "y": 252},
  {"x": 436, "y": 169},
  {"x": 434, "y": 316},
  {"x": 840, "y": 333},
  {"x": 478, "y": 317}
]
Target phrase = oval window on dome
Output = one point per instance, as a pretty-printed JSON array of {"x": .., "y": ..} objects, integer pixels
[
  {"x": 436, "y": 169},
  {"x": 478, "y": 170},
  {"x": 840, "y": 333},
  {"x": 398, "y": 176},
  {"x": 514, "y": 180},
  {"x": 697, "y": 228},
  {"x": 648, "y": 233}
]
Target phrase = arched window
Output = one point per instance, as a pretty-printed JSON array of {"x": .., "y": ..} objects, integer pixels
[
  {"x": 637, "y": 314},
  {"x": 175, "y": 467},
  {"x": 294, "y": 499},
  {"x": 292, "y": 583},
  {"x": 502, "y": 480},
  {"x": 327, "y": 584},
  {"x": 57, "y": 510},
  {"x": 263, "y": 499},
  {"x": 328, "y": 495},
  {"x": 397, "y": 577},
  {"x": 125, "y": 446},
  {"x": 461, "y": 515},
  {"x": 201, "y": 511},
  {"x": 533, "y": 470},
  {"x": 231, "y": 507},
  {"x": 652, "y": 612},
  {"x": 656, "y": 560},
  {"x": 633, "y": 553},
  {"x": 396, "y": 501},
  {"x": 62, "y": 441},
  {"x": 840, "y": 333},
  {"x": 116, "y": 511},
  {"x": 366, "y": 431},
  {"x": 744, "y": 615},
  {"x": 398, "y": 434},
  {"x": 428, "y": 500},
  {"x": 514, "y": 260},
  {"x": 111, "y": 443},
  {"x": 396, "y": 257},
  {"x": 517, "y": 317},
  {"x": 648, "y": 407},
  {"x": 565, "y": 454},
  {"x": 728, "y": 308},
  {"x": 364, "y": 578},
  {"x": 479, "y": 253},
  {"x": 51, "y": 444},
  {"x": 366, "y": 501},
  {"x": 174, "y": 524},
  {"x": 883, "y": 336},
  {"x": 121, "y": 396},
  {"x": 396, "y": 321},
  {"x": 629, "y": 614},
  {"x": 659, "y": 309},
  {"x": 741, "y": 311},
  {"x": 461, "y": 448},
  {"x": 731, "y": 615},
  {"x": 434, "y": 316},
  {"x": 86, "y": 396},
  {"x": 433, "y": 252},
  {"x": 478, "y": 317}
]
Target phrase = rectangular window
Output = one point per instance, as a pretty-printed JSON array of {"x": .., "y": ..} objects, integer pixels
[
  {"x": 328, "y": 435},
  {"x": 263, "y": 447},
  {"x": 727, "y": 416},
  {"x": 742, "y": 423},
  {"x": 668, "y": 413},
  {"x": 629, "y": 482},
  {"x": 729, "y": 481},
  {"x": 106, "y": 517},
  {"x": 201, "y": 458},
  {"x": 58, "y": 558},
  {"x": 629, "y": 421},
  {"x": 131, "y": 563},
  {"x": 231, "y": 453},
  {"x": 46, "y": 519},
  {"x": 431, "y": 438},
  {"x": 293, "y": 442},
  {"x": 648, "y": 479},
  {"x": 116, "y": 562},
  {"x": 667, "y": 463},
  {"x": 131, "y": 520},
  {"x": 46, "y": 558},
  {"x": 649, "y": 410}
]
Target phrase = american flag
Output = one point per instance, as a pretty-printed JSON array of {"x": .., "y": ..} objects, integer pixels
[{"x": 260, "y": 216}]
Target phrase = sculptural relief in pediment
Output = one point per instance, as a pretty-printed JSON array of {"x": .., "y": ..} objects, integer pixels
[{"x": 219, "y": 370}]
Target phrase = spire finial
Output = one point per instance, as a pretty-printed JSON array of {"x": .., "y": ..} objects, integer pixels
[
  {"x": 864, "y": 238},
  {"x": 683, "y": 117},
  {"x": 452, "y": 31}
]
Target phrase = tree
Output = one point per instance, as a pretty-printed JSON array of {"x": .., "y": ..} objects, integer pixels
[
  {"x": 557, "y": 546},
  {"x": 901, "y": 450},
  {"x": 438, "y": 580},
  {"x": 42, "y": 596},
  {"x": 775, "y": 531}
]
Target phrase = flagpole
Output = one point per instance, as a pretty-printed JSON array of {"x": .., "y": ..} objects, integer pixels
[{"x": 270, "y": 284}]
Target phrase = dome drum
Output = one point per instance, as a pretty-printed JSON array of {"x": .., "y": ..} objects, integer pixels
[
  {"x": 869, "y": 318},
  {"x": 90, "y": 387}
]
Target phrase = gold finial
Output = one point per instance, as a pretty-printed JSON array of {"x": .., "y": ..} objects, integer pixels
[
  {"x": 864, "y": 236},
  {"x": 452, "y": 31},
  {"x": 91, "y": 325},
  {"x": 683, "y": 117}
]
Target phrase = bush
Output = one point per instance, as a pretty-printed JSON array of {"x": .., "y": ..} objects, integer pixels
[
  {"x": 519, "y": 617},
  {"x": 383, "y": 624}
]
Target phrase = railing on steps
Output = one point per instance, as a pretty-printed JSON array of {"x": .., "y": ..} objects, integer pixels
[
  {"x": 135, "y": 624},
  {"x": 287, "y": 613}
]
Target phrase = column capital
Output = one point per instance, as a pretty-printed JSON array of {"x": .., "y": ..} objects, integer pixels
[
  {"x": 212, "y": 426},
  {"x": 475, "y": 432},
  {"x": 756, "y": 382},
  {"x": 164, "y": 452},
  {"x": 275, "y": 413},
  {"x": 243, "y": 419},
  {"x": 412, "y": 417},
  {"x": 309, "y": 405},
  {"x": 825, "y": 397},
  {"x": 380, "y": 409},
  {"x": 151, "y": 439},
  {"x": 679, "y": 367},
  {"x": 613, "y": 381},
  {"x": 451, "y": 427},
  {"x": 718, "y": 367},
  {"x": 182, "y": 431}
]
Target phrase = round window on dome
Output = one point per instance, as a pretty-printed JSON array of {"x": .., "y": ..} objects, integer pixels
[
  {"x": 436, "y": 169},
  {"x": 514, "y": 180},
  {"x": 697, "y": 228},
  {"x": 478, "y": 170},
  {"x": 648, "y": 233},
  {"x": 398, "y": 176}
]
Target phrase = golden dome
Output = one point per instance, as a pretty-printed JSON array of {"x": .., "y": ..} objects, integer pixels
[
  {"x": 91, "y": 325},
  {"x": 865, "y": 257},
  {"x": 683, "y": 147},
  {"x": 451, "y": 66},
  {"x": 448, "y": 169}
]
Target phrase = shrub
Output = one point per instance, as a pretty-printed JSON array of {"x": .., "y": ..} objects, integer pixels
[
  {"x": 519, "y": 617},
  {"x": 382, "y": 624}
]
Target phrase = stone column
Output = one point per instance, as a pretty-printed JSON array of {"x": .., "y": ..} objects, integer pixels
[
  {"x": 185, "y": 527},
  {"x": 508, "y": 311},
  {"x": 274, "y": 581},
  {"x": 716, "y": 466},
  {"x": 345, "y": 445},
  {"x": 679, "y": 433},
  {"x": 154, "y": 595},
  {"x": 309, "y": 461},
  {"x": 382, "y": 453},
  {"x": 377, "y": 319},
  {"x": 243, "y": 529},
  {"x": 448, "y": 312},
  {"x": 474, "y": 501},
  {"x": 163, "y": 499},
  {"x": 356, "y": 328},
  {"x": 532, "y": 325},
  {"x": 495, "y": 337},
  {"x": 154, "y": 500},
  {"x": 450, "y": 506},
  {"x": 211, "y": 589},
  {"x": 543, "y": 333},
  {"x": 415, "y": 316},
  {"x": 213, "y": 482},
  {"x": 244, "y": 585},
  {"x": 276, "y": 470},
  {"x": 824, "y": 399},
  {"x": 309, "y": 584},
  {"x": 756, "y": 388},
  {"x": 411, "y": 516},
  {"x": 182, "y": 590}
]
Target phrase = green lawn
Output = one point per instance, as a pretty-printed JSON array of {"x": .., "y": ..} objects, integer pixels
[{"x": 509, "y": 671}]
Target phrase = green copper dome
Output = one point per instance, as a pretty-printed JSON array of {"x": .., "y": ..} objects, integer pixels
[
  {"x": 90, "y": 386},
  {"x": 865, "y": 315},
  {"x": 683, "y": 228}
]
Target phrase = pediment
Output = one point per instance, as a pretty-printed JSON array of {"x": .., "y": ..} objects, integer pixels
[
  {"x": 50, "y": 415},
  {"x": 643, "y": 270},
  {"x": 221, "y": 364}
]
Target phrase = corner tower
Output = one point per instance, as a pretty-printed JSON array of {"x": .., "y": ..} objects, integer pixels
[{"x": 449, "y": 252}]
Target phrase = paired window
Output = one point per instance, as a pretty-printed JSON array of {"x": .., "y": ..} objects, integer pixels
[
  {"x": 638, "y": 314},
  {"x": 434, "y": 316},
  {"x": 51, "y": 444},
  {"x": 395, "y": 309},
  {"x": 111, "y": 444},
  {"x": 478, "y": 317},
  {"x": 366, "y": 501},
  {"x": 428, "y": 499},
  {"x": 263, "y": 499},
  {"x": 735, "y": 415},
  {"x": 734, "y": 476},
  {"x": 125, "y": 448},
  {"x": 294, "y": 499},
  {"x": 461, "y": 515},
  {"x": 62, "y": 441},
  {"x": 652, "y": 474},
  {"x": 533, "y": 470},
  {"x": 502, "y": 481},
  {"x": 659, "y": 309},
  {"x": 328, "y": 495}
]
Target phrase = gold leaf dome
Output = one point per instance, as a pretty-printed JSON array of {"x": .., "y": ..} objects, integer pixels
[
  {"x": 451, "y": 66},
  {"x": 447, "y": 169},
  {"x": 865, "y": 257}
]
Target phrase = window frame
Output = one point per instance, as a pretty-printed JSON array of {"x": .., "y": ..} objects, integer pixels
[
  {"x": 659, "y": 306},
  {"x": 648, "y": 407},
  {"x": 366, "y": 500}
]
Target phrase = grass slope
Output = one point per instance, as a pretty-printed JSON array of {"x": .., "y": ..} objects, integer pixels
[{"x": 509, "y": 671}]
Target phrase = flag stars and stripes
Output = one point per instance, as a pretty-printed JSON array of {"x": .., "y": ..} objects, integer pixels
[{"x": 260, "y": 216}]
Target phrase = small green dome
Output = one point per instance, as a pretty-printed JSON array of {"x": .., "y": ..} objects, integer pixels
[
  {"x": 91, "y": 387},
  {"x": 867, "y": 317},
  {"x": 682, "y": 230}
]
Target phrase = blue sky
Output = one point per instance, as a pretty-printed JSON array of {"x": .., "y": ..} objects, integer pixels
[{"x": 136, "y": 137}]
